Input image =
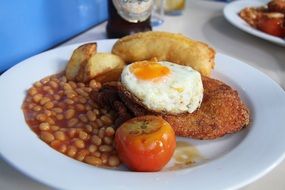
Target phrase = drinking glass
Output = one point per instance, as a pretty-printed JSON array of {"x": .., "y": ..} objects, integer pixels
[{"x": 157, "y": 16}]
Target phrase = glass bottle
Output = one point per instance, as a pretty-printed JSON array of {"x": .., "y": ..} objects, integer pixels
[{"x": 128, "y": 17}]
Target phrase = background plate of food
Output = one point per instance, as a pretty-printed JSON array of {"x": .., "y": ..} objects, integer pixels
[
  {"x": 227, "y": 162},
  {"x": 258, "y": 19}
]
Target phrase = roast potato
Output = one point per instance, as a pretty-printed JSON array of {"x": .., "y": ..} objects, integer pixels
[
  {"x": 103, "y": 67},
  {"x": 79, "y": 58},
  {"x": 171, "y": 47}
]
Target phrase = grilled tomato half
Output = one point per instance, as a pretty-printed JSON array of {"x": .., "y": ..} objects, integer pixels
[
  {"x": 145, "y": 143},
  {"x": 273, "y": 24}
]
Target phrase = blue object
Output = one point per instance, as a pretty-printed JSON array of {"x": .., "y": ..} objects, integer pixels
[{"x": 28, "y": 27}]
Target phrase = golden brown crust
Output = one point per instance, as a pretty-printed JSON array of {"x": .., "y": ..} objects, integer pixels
[
  {"x": 166, "y": 46},
  {"x": 78, "y": 60},
  {"x": 221, "y": 112},
  {"x": 103, "y": 67}
]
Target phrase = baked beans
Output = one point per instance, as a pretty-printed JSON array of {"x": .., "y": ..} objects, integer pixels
[{"x": 64, "y": 116}]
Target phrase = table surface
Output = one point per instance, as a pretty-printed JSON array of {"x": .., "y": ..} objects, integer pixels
[{"x": 204, "y": 21}]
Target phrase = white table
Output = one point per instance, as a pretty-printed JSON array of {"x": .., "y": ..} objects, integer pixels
[{"x": 202, "y": 20}]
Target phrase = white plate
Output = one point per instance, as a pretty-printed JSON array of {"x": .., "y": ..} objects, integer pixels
[
  {"x": 231, "y": 162},
  {"x": 231, "y": 11}
]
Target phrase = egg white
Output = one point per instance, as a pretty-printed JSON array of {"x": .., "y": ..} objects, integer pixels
[{"x": 179, "y": 92}]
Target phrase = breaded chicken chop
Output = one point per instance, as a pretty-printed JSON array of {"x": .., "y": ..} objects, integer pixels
[{"x": 221, "y": 112}]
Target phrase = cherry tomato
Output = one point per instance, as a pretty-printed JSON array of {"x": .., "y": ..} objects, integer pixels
[
  {"x": 273, "y": 26},
  {"x": 145, "y": 143}
]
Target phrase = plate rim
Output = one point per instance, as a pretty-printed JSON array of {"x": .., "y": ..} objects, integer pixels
[{"x": 237, "y": 185}]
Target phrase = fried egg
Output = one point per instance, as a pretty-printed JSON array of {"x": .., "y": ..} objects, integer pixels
[{"x": 163, "y": 86}]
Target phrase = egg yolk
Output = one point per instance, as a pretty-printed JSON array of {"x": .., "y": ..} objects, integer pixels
[{"x": 149, "y": 70}]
